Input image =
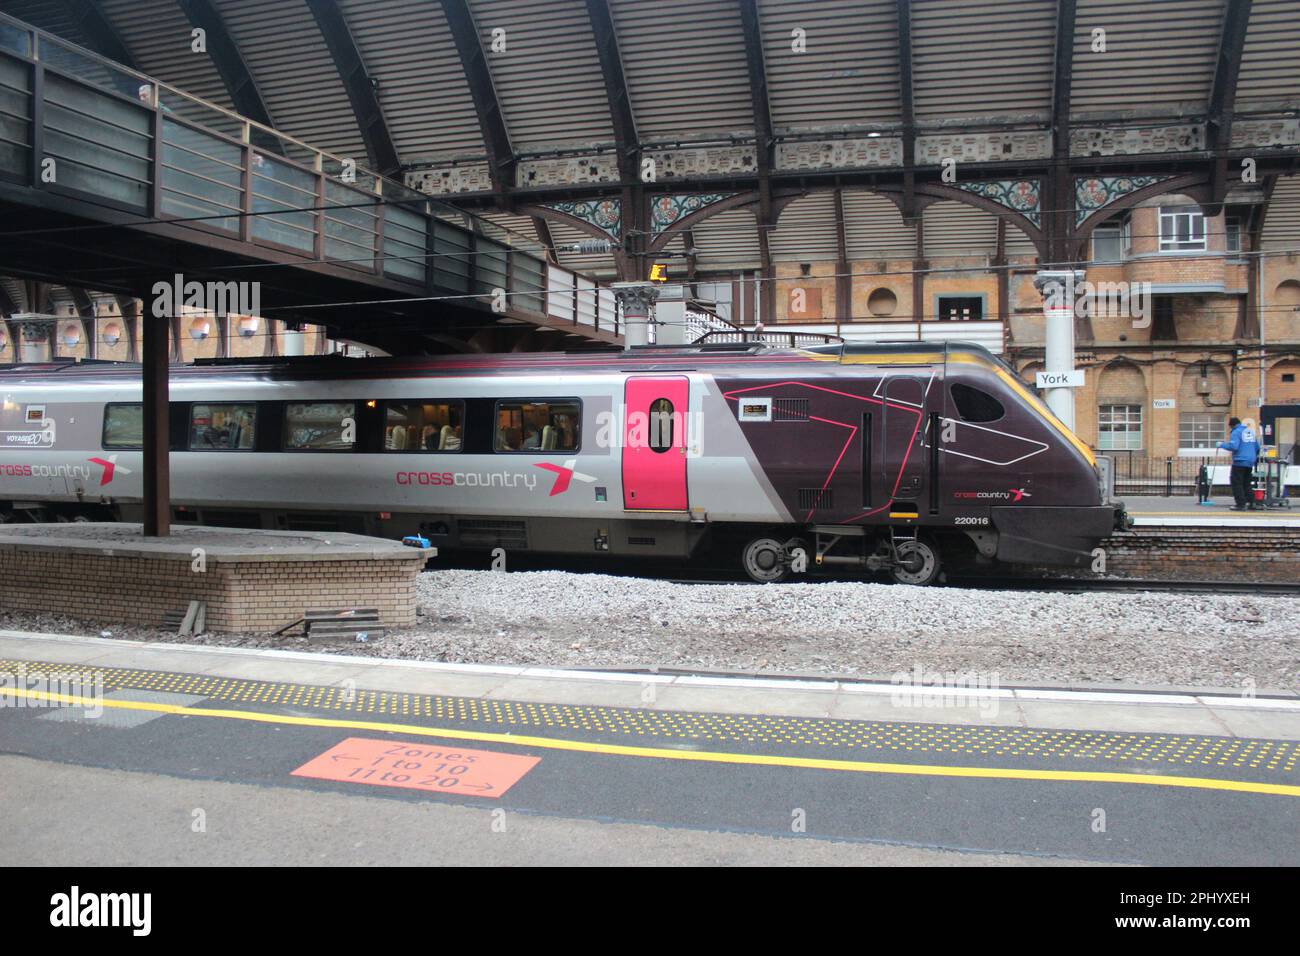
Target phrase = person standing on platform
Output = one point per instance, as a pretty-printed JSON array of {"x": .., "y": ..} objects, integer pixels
[{"x": 1243, "y": 443}]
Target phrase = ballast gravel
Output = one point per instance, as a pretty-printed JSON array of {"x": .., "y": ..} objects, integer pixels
[{"x": 563, "y": 619}]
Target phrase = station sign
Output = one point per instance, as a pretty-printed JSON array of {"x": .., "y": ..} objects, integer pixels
[
  {"x": 1071, "y": 379},
  {"x": 1164, "y": 403},
  {"x": 433, "y": 768}
]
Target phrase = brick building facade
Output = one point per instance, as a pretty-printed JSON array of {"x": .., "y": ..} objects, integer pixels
[{"x": 1157, "y": 385}]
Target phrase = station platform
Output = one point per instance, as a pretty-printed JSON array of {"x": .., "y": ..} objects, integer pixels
[
  {"x": 618, "y": 767},
  {"x": 1185, "y": 511}
]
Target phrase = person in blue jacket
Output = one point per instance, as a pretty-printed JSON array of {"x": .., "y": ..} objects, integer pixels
[{"x": 1243, "y": 442}]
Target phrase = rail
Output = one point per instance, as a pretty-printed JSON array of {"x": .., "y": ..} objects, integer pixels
[{"x": 734, "y": 334}]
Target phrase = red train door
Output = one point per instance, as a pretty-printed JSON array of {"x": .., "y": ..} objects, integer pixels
[{"x": 654, "y": 443}]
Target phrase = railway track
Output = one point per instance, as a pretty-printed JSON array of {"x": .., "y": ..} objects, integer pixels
[
  {"x": 1079, "y": 585},
  {"x": 677, "y": 574}
]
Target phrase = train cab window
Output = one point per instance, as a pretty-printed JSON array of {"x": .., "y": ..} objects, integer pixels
[
  {"x": 222, "y": 427},
  {"x": 416, "y": 426},
  {"x": 975, "y": 405},
  {"x": 320, "y": 426},
  {"x": 539, "y": 426},
  {"x": 661, "y": 425},
  {"x": 123, "y": 426}
]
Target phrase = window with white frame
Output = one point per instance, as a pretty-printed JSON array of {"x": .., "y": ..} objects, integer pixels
[
  {"x": 1107, "y": 244},
  {"x": 1200, "y": 430},
  {"x": 1119, "y": 427},
  {"x": 1126, "y": 237},
  {"x": 1182, "y": 229}
]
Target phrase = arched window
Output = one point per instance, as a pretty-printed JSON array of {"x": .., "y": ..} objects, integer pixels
[{"x": 1121, "y": 401}]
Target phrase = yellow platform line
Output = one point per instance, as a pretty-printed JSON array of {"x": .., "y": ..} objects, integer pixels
[
  {"x": 701, "y": 756},
  {"x": 1235, "y": 515}
]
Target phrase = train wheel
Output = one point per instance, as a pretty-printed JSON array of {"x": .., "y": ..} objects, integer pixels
[
  {"x": 918, "y": 562},
  {"x": 765, "y": 560}
]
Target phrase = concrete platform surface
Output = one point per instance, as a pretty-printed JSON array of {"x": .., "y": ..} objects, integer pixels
[
  {"x": 1156, "y": 510},
  {"x": 126, "y": 539},
  {"x": 131, "y": 753},
  {"x": 1120, "y": 709}
]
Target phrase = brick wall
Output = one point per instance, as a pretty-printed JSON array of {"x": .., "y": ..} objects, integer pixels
[
  {"x": 241, "y": 595},
  {"x": 1205, "y": 554}
]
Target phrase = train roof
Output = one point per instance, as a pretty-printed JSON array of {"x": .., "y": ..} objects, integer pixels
[{"x": 641, "y": 358}]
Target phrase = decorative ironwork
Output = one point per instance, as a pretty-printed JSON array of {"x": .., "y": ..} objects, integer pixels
[
  {"x": 567, "y": 171},
  {"x": 1019, "y": 195},
  {"x": 604, "y": 214},
  {"x": 688, "y": 162},
  {"x": 933, "y": 148},
  {"x": 1122, "y": 141},
  {"x": 1093, "y": 193},
  {"x": 857, "y": 153},
  {"x": 445, "y": 180},
  {"x": 666, "y": 210}
]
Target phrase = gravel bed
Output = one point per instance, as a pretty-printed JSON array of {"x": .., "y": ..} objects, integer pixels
[{"x": 562, "y": 619}]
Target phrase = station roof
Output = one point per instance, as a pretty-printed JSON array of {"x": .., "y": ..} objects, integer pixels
[{"x": 533, "y": 105}]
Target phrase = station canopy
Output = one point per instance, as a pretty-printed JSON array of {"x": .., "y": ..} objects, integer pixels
[{"x": 742, "y": 133}]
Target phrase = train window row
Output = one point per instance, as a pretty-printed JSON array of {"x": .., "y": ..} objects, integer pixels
[
  {"x": 537, "y": 426},
  {"x": 413, "y": 426}
]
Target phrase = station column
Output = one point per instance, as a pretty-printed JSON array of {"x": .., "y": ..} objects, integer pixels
[
  {"x": 1057, "y": 288},
  {"x": 637, "y": 299},
  {"x": 34, "y": 337},
  {"x": 157, "y": 428}
]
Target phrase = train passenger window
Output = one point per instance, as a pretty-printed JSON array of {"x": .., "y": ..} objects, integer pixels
[
  {"x": 539, "y": 426},
  {"x": 123, "y": 426},
  {"x": 222, "y": 427},
  {"x": 320, "y": 426},
  {"x": 416, "y": 426},
  {"x": 975, "y": 405},
  {"x": 661, "y": 425}
]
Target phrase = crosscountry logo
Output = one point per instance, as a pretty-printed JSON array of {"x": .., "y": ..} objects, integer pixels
[
  {"x": 110, "y": 467},
  {"x": 563, "y": 475}
]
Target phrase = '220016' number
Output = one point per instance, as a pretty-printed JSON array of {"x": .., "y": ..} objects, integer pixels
[{"x": 971, "y": 520}]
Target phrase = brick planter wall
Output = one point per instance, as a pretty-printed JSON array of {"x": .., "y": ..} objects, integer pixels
[{"x": 249, "y": 593}]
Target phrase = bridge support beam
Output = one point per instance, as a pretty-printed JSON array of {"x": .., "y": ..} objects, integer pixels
[{"x": 157, "y": 427}]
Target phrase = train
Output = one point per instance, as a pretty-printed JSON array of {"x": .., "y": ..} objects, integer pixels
[{"x": 891, "y": 459}]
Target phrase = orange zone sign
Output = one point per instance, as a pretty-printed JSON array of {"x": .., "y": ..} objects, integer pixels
[{"x": 419, "y": 766}]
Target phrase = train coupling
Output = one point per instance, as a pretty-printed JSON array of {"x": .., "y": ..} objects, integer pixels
[{"x": 1123, "y": 520}]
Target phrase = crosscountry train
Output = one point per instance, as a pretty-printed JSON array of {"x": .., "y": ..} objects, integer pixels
[{"x": 889, "y": 458}]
